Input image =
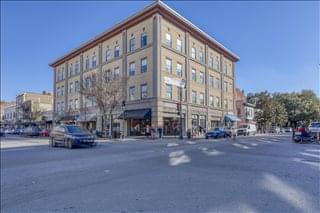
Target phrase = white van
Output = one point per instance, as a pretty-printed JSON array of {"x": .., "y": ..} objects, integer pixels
[{"x": 247, "y": 129}]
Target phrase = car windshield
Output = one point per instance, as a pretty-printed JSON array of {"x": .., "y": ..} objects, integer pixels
[
  {"x": 315, "y": 124},
  {"x": 216, "y": 129},
  {"x": 244, "y": 126},
  {"x": 74, "y": 129}
]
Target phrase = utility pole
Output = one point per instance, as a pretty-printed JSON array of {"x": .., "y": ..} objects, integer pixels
[{"x": 182, "y": 86}]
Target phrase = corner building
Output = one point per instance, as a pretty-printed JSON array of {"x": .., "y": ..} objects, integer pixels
[{"x": 155, "y": 48}]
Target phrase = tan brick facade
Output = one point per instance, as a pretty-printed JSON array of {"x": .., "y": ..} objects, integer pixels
[{"x": 153, "y": 50}]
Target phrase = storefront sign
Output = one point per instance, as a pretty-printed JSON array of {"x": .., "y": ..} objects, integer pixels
[{"x": 174, "y": 81}]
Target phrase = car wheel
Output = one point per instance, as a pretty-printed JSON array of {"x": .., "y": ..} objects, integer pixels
[
  {"x": 207, "y": 137},
  {"x": 69, "y": 142},
  {"x": 52, "y": 142}
]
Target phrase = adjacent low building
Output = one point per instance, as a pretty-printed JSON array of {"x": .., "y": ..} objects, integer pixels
[
  {"x": 9, "y": 117},
  {"x": 158, "y": 50},
  {"x": 30, "y": 106},
  {"x": 245, "y": 111}
]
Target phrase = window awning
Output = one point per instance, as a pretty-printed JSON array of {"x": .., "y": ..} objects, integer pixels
[
  {"x": 66, "y": 118},
  {"x": 136, "y": 114},
  {"x": 231, "y": 118}
]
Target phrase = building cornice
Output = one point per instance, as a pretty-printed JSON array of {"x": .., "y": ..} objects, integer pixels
[{"x": 156, "y": 7}]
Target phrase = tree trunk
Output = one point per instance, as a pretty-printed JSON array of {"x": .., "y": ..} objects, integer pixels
[
  {"x": 110, "y": 125},
  {"x": 105, "y": 124}
]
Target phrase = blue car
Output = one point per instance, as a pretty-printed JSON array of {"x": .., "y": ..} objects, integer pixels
[{"x": 218, "y": 132}]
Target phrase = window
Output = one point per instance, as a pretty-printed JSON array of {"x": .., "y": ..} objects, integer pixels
[
  {"x": 70, "y": 104},
  {"x": 132, "y": 69},
  {"x": 201, "y": 56},
  {"x": 201, "y": 98},
  {"x": 201, "y": 77},
  {"x": 194, "y": 97},
  {"x": 179, "y": 45},
  {"x": 230, "y": 86},
  {"x": 87, "y": 82},
  {"x": 117, "y": 51},
  {"x": 107, "y": 76},
  {"x": 217, "y": 63},
  {"x": 168, "y": 91},
  {"x": 144, "y": 39},
  {"x": 132, "y": 44},
  {"x": 116, "y": 73},
  {"x": 76, "y": 103},
  {"x": 193, "y": 75},
  {"x": 71, "y": 70},
  {"x": 179, "y": 69},
  {"x": 211, "y": 100},
  {"x": 225, "y": 68},
  {"x": 168, "y": 39},
  {"x": 71, "y": 89},
  {"x": 62, "y": 106},
  {"x": 76, "y": 86},
  {"x": 210, "y": 61},
  {"x": 217, "y": 84},
  {"x": 230, "y": 104},
  {"x": 108, "y": 56},
  {"x": 144, "y": 66},
  {"x": 168, "y": 65},
  {"x": 144, "y": 91},
  {"x": 58, "y": 107},
  {"x": 58, "y": 75},
  {"x": 87, "y": 63},
  {"x": 225, "y": 86},
  {"x": 193, "y": 52},
  {"x": 211, "y": 83},
  {"x": 76, "y": 67},
  {"x": 62, "y": 91},
  {"x": 94, "y": 61},
  {"x": 225, "y": 103},
  {"x": 132, "y": 91},
  {"x": 217, "y": 102},
  {"x": 62, "y": 74},
  {"x": 58, "y": 91}
]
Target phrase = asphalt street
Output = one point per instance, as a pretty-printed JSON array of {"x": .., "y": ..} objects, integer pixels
[{"x": 249, "y": 174}]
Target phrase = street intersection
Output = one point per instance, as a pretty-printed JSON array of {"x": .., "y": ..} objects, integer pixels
[{"x": 266, "y": 173}]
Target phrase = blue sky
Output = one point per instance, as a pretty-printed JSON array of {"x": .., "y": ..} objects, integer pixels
[{"x": 278, "y": 42}]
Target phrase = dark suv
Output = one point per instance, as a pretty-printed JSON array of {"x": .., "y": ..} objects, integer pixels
[{"x": 70, "y": 135}]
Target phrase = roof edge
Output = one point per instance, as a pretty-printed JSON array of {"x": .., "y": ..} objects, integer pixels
[{"x": 137, "y": 14}]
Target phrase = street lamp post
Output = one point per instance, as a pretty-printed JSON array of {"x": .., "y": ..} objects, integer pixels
[
  {"x": 124, "y": 112},
  {"x": 182, "y": 86}
]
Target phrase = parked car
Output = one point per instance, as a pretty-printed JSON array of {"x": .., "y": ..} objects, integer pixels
[
  {"x": 32, "y": 131},
  {"x": 287, "y": 129},
  {"x": 218, "y": 132},
  {"x": 70, "y": 136},
  {"x": 45, "y": 133},
  {"x": 247, "y": 129},
  {"x": 275, "y": 129},
  {"x": 314, "y": 127},
  {"x": 2, "y": 134}
]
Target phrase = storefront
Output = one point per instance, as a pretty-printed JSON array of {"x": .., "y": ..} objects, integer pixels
[
  {"x": 199, "y": 124},
  {"x": 171, "y": 126},
  {"x": 138, "y": 121}
]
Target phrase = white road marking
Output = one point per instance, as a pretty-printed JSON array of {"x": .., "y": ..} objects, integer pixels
[
  {"x": 240, "y": 146},
  {"x": 172, "y": 144},
  {"x": 310, "y": 155},
  {"x": 178, "y": 157}
]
